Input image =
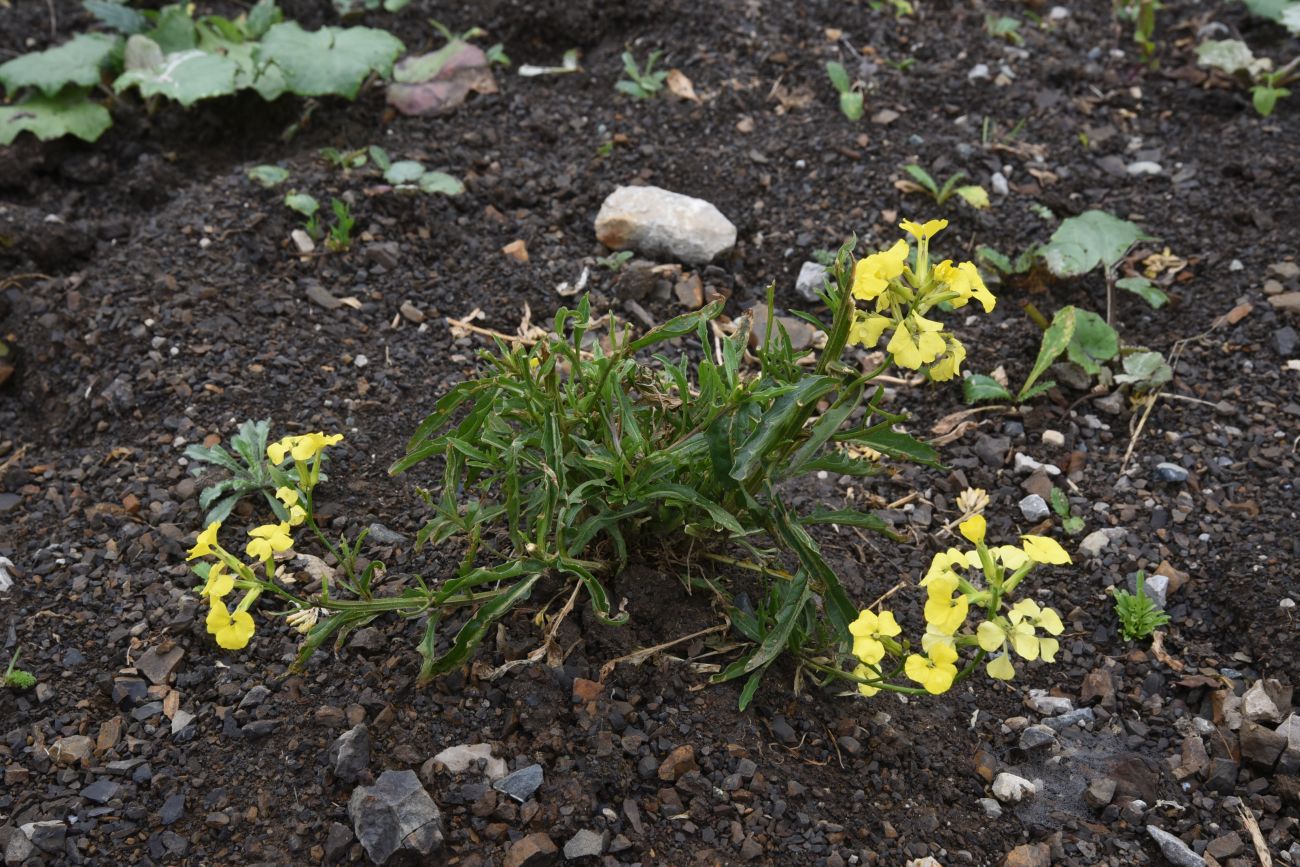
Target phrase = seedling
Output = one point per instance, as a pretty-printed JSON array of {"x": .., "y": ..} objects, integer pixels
[
  {"x": 496, "y": 54},
  {"x": 641, "y": 83},
  {"x": 250, "y": 473},
  {"x": 268, "y": 176},
  {"x": 344, "y": 161},
  {"x": 1235, "y": 59},
  {"x": 1005, "y": 265},
  {"x": 972, "y": 194},
  {"x": 409, "y": 175},
  {"x": 850, "y": 93},
  {"x": 309, "y": 208},
  {"x": 1004, "y": 27},
  {"x": 340, "y": 237},
  {"x": 1143, "y": 15},
  {"x": 16, "y": 678},
  {"x": 615, "y": 261},
  {"x": 1093, "y": 239},
  {"x": 900, "y": 8},
  {"x": 1138, "y": 614},
  {"x": 1079, "y": 334},
  {"x": 1072, "y": 524}
]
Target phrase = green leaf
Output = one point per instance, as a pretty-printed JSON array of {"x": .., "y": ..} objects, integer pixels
[
  {"x": 302, "y": 203},
  {"x": 1145, "y": 371},
  {"x": 1144, "y": 289},
  {"x": 790, "y": 409},
  {"x": 678, "y": 326},
  {"x": 260, "y": 18},
  {"x": 380, "y": 158},
  {"x": 471, "y": 634},
  {"x": 51, "y": 117},
  {"x": 839, "y": 76},
  {"x": 851, "y": 105},
  {"x": 794, "y": 596},
  {"x": 116, "y": 15},
  {"x": 78, "y": 61},
  {"x": 847, "y": 518},
  {"x": 332, "y": 61},
  {"x": 1270, "y": 9},
  {"x": 1229, "y": 56},
  {"x": 900, "y": 446},
  {"x": 268, "y": 176},
  {"x": 992, "y": 257},
  {"x": 186, "y": 76},
  {"x": 978, "y": 388},
  {"x": 922, "y": 177},
  {"x": 426, "y": 67},
  {"x": 1035, "y": 390},
  {"x": 440, "y": 182},
  {"x": 1056, "y": 339},
  {"x": 839, "y": 609},
  {"x": 403, "y": 172},
  {"x": 1093, "y": 238},
  {"x": 839, "y": 464},
  {"x": 1060, "y": 505},
  {"x": 751, "y": 687},
  {"x": 1093, "y": 341},
  {"x": 691, "y": 497},
  {"x": 975, "y": 196},
  {"x": 1265, "y": 98}
]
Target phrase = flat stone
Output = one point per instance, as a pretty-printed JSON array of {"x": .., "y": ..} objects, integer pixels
[
  {"x": 1178, "y": 852},
  {"x": 586, "y": 844},
  {"x": 1258, "y": 706},
  {"x": 395, "y": 814},
  {"x": 1098, "y": 686},
  {"x": 1011, "y": 789},
  {"x": 535, "y": 850},
  {"x": 1098, "y": 540},
  {"x": 1079, "y": 716},
  {"x": 1260, "y": 745},
  {"x": 172, "y": 809},
  {"x": 72, "y": 750},
  {"x": 158, "y": 664},
  {"x": 1036, "y": 737},
  {"x": 679, "y": 761},
  {"x": 461, "y": 757},
  {"x": 1173, "y": 473},
  {"x": 48, "y": 836},
  {"x": 349, "y": 755},
  {"x": 1100, "y": 792},
  {"x": 521, "y": 784},
  {"x": 100, "y": 791},
  {"x": 9, "y": 502},
  {"x": 1049, "y": 705},
  {"x": 1286, "y": 301},
  {"x": 657, "y": 222},
  {"x": 380, "y": 534},
  {"x": 1285, "y": 341},
  {"x": 1230, "y": 845},
  {"x": 1029, "y": 855},
  {"x": 811, "y": 280},
  {"x": 1156, "y": 588}
]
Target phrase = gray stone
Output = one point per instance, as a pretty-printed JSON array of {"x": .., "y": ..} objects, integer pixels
[
  {"x": 48, "y": 836},
  {"x": 1260, "y": 745},
  {"x": 656, "y": 222},
  {"x": 1080, "y": 717},
  {"x": 1289, "y": 762},
  {"x": 337, "y": 841},
  {"x": 1011, "y": 789},
  {"x": 1222, "y": 776},
  {"x": 991, "y": 807},
  {"x": 1034, "y": 508},
  {"x": 1178, "y": 852},
  {"x": 100, "y": 791},
  {"x": 380, "y": 534},
  {"x": 521, "y": 784},
  {"x": 159, "y": 665},
  {"x": 1284, "y": 341},
  {"x": 1156, "y": 587},
  {"x": 1100, "y": 792},
  {"x": 349, "y": 755},
  {"x": 586, "y": 844},
  {"x": 1174, "y": 473},
  {"x": 812, "y": 277},
  {"x": 1036, "y": 737},
  {"x": 172, "y": 809},
  {"x": 1258, "y": 706},
  {"x": 1049, "y": 705},
  {"x": 254, "y": 697},
  {"x": 19, "y": 850},
  {"x": 992, "y": 450},
  {"x": 461, "y": 757},
  {"x": 1098, "y": 540},
  {"x": 9, "y": 502},
  {"x": 396, "y": 813}
]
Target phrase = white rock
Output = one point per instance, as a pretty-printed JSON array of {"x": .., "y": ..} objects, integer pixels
[
  {"x": 1096, "y": 541},
  {"x": 458, "y": 758},
  {"x": 1058, "y": 13},
  {"x": 1178, "y": 852},
  {"x": 991, "y": 807},
  {"x": 1034, "y": 508},
  {"x": 812, "y": 277},
  {"x": 657, "y": 222},
  {"x": 6, "y": 580},
  {"x": 1025, "y": 464},
  {"x": 999, "y": 183},
  {"x": 1049, "y": 705},
  {"x": 1053, "y": 438},
  {"x": 978, "y": 71},
  {"x": 1010, "y": 789},
  {"x": 1258, "y": 706},
  {"x": 1144, "y": 167},
  {"x": 303, "y": 241}
]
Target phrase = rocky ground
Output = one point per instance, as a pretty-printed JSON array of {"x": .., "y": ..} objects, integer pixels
[{"x": 152, "y": 298}]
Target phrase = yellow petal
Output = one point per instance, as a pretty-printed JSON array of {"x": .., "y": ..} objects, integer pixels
[
  {"x": 1049, "y": 621},
  {"x": 973, "y": 528},
  {"x": 1000, "y": 667},
  {"x": 864, "y": 625},
  {"x": 976, "y": 287},
  {"x": 1041, "y": 549},
  {"x": 990, "y": 636},
  {"x": 923, "y": 232},
  {"x": 866, "y": 330},
  {"x": 867, "y": 284},
  {"x": 1024, "y": 642},
  {"x": 218, "y": 617},
  {"x": 904, "y": 349},
  {"x": 887, "y": 625},
  {"x": 1047, "y": 648},
  {"x": 868, "y": 650}
]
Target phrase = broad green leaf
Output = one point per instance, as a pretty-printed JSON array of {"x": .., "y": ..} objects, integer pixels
[
  {"x": 900, "y": 446},
  {"x": 78, "y": 61},
  {"x": 302, "y": 203},
  {"x": 975, "y": 196},
  {"x": 1145, "y": 371},
  {"x": 175, "y": 30},
  {"x": 1056, "y": 339},
  {"x": 332, "y": 61},
  {"x": 117, "y": 15},
  {"x": 1144, "y": 289},
  {"x": 851, "y": 105},
  {"x": 427, "y": 67},
  {"x": 1231, "y": 56},
  {"x": 404, "y": 172},
  {"x": 1093, "y": 238},
  {"x": 51, "y": 117},
  {"x": 186, "y": 77},
  {"x": 1060, "y": 505},
  {"x": 1093, "y": 341},
  {"x": 440, "y": 182},
  {"x": 1291, "y": 18},
  {"x": 978, "y": 388},
  {"x": 380, "y": 158},
  {"x": 992, "y": 257},
  {"x": 1270, "y": 9},
  {"x": 261, "y": 17},
  {"x": 1265, "y": 98},
  {"x": 268, "y": 176},
  {"x": 839, "y": 76}
]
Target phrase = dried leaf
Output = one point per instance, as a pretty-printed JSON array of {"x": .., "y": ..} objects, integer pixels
[
  {"x": 171, "y": 704},
  {"x": 1235, "y": 315},
  {"x": 1158, "y": 650},
  {"x": 680, "y": 86}
]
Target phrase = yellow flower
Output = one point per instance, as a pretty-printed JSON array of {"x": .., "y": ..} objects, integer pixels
[
  {"x": 912, "y": 352},
  {"x": 204, "y": 544},
  {"x": 942, "y": 565},
  {"x": 933, "y": 636},
  {"x": 869, "y": 674},
  {"x": 867, "y": 631},
  {"x": 950, "y": 365},
  {"x": 219, "y": 582},
  {"x": 1041, "y": 549},
  {"x": 269, "y": 540},
  {"x": 973, "y": 528},
  {"x": 923, "y": 232},
  {"x": 945, "y": 609},
  {"x": 231, "y": 630},
  {"x": 1025, "y": 617},
  {"x": 992, "y": 635},
  {"x": 1000, "y": 667},
  {"x": 866, "y": 330},
  {"x": 289, "y": 497},
  {"x": 965, "y": 280},
  {"x": 301, "y": 448},
  {"x": 935, "y": 671},
  {"x": 871, "y": 275}
]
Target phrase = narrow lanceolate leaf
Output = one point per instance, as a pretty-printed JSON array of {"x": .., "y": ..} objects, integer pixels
[
  {"x": 471, "y": 634},
  {"x": 51, "y": 117},
  {"x": 789, "y": 410},
  {"x": 794, "y": 597},
  {"x": 978, "y": 388},
  {"x": 1055, "y": 341},
  {"x": 332, "y": 61},
  {"x": 898, "y": 445},
  {"x": 78, "y": 61},
  {"x": 848, "y": 518},
  {"x": 839, "y": 609}
]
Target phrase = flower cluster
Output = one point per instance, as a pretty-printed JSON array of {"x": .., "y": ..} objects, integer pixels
[
  {"x": 980, "y": 579},
  {"x": 904, "y": 286},
  {"x": 233, "y": 629}
]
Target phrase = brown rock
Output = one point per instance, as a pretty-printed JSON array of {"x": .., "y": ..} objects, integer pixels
[
  {"x": 1098, "y": 687},
  {"x": 690, "y": 291},
  {"x": 1195, "y": 759},
  {"x": 986, "y": 766},
  {"x": 109, "y": 734},
  {"x": 586, "y": 690},
  {"x": 679, "y": 762},
  {"x": 1228, "y": 846},
  {"x": 159, "y": 663},
  {"x": 72, "y": 750},
  {"x": 1286, "y": 301},
  {"x": 1260, "y": 745},
  {"x": 1029, "y": 855},
  {"x": 516, "y": 250},
  {"x": 534, "y": 850}
]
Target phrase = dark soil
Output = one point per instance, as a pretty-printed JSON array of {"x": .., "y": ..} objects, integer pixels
[{"x": 152, "y": 299}]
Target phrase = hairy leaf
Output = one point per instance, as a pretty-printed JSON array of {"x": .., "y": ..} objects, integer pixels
[
  {"x": 50, "y": 117},
  {"x": 76, "y": 62},
  {"x": 1093, "y": 238},
  {"x": 332, "y": 61},
  {"x": 978, "y": 388}
]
